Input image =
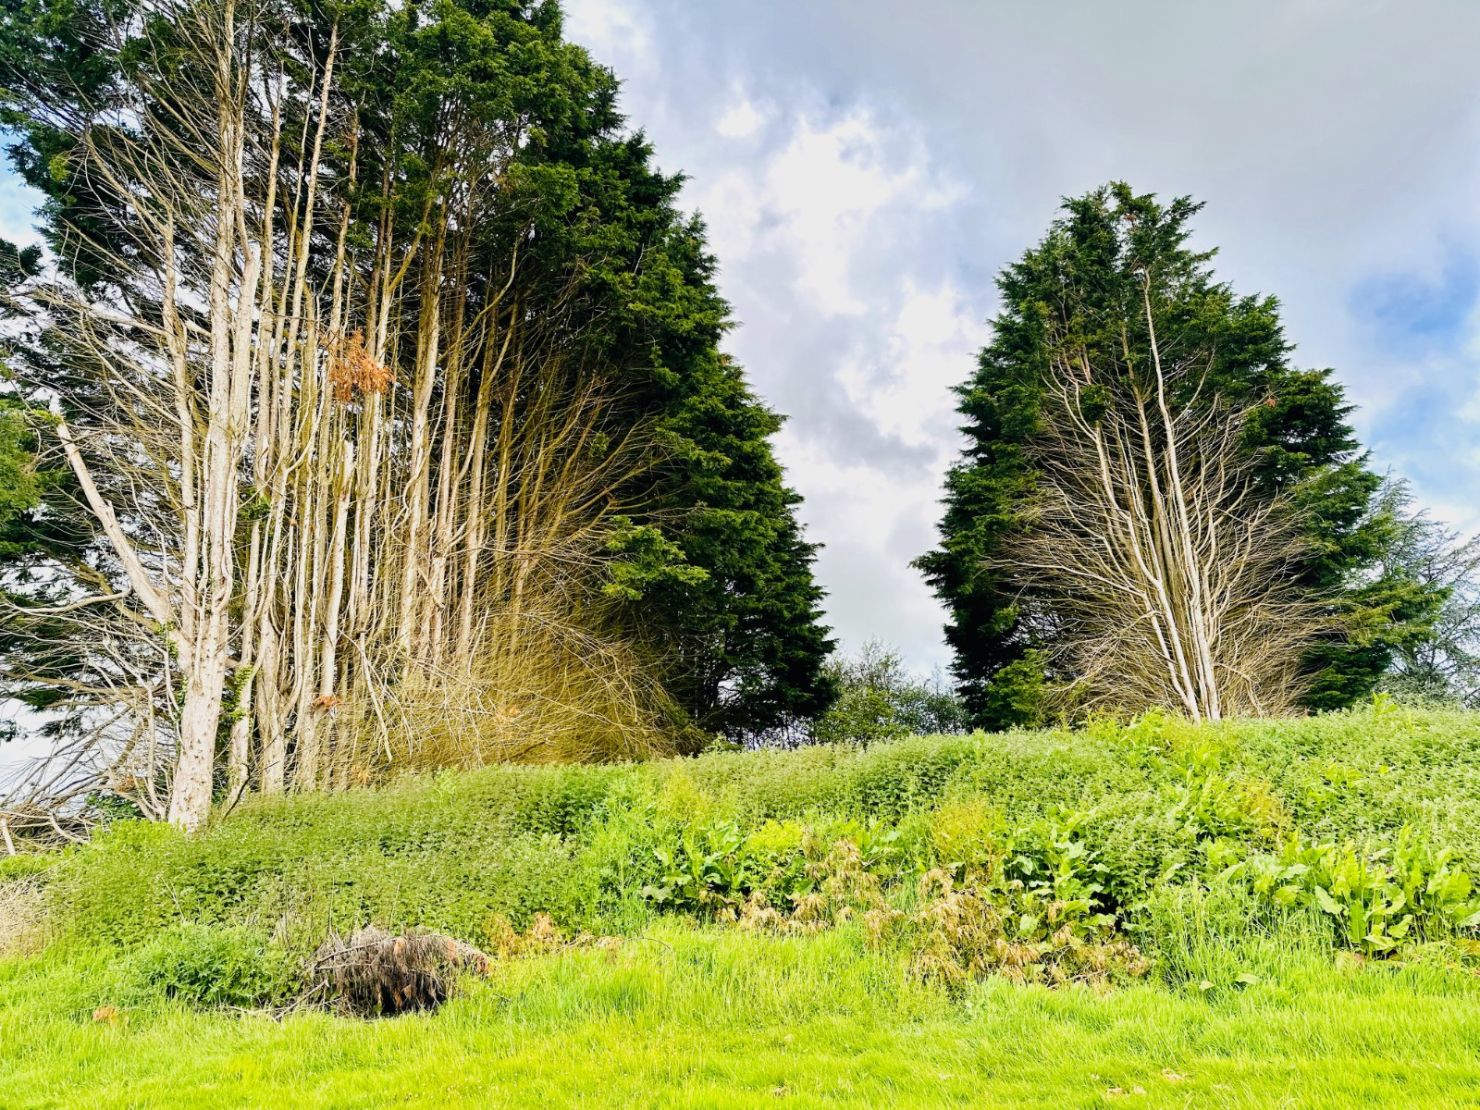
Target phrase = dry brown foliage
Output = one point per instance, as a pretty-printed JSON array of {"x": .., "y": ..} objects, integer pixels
[
  {"x": 1165, "y": 574},
  {"x": 374, "y": 973},
  {"x": 541, "y": 938},
  {"x": 353, "y": 371},
  {"x": 964, "y": 933},
  {"x": 843, "y": 888},
  {"x": 539, "y": 688},
  {"x": 22, "y": 917}
]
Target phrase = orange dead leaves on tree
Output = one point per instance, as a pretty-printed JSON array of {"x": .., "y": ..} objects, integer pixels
[{"x": 351, "y": 369}]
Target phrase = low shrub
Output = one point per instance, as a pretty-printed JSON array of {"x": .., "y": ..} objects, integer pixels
[
  {"x": 139, "y": 878},
  {"x": 965, "y": 932},
  {"x": 965, "y": 834},
  {"x": 26, "y": 865},
  {"x": 835, "y": 886},
  {"x": 1379, "y": 897},
  {"x": 1095, "y": 829},
  {"x": 207, "y": 966},
  {"x": 714, "y": 869}
]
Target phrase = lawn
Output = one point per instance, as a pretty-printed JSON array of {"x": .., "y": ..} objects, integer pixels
[{"x": 701, "y": 1017}]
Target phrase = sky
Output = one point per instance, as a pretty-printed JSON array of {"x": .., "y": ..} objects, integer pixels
[{"x": 866, "y": 168}]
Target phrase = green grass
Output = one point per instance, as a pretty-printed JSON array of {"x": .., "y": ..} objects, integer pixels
[
  {"x": 1248, "y": 1002},
  {"x": 691, "y": 1017}
]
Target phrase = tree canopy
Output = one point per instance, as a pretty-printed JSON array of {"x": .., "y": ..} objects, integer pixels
[
  {"x": 1082, "y": 284},
  {"x": 384, "y": 364}
]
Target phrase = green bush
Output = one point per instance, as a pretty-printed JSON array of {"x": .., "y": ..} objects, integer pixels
[
  {"x": 206, "y": 966},
  {"x": 878, "y": 699},
  {"x": 1379, "y": 897},
  {"x": 713, "y": 867},
  {"x": 1113, "y": 816}
]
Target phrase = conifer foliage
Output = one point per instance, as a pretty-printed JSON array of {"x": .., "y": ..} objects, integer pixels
[
  {"x": 386, "y": 375},
  {"x": 1112, "y": 293}
]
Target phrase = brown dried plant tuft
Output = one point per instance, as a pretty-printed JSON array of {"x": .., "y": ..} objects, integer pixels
[
  {"x": 353, "y": 370},
  {"x": 967, "y": 931},
  {"x": 22, "y": 918},
  {"x": 374, "y": 973}
]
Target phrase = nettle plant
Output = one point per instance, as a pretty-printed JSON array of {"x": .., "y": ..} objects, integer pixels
[{"x": 1210, "y": 806}]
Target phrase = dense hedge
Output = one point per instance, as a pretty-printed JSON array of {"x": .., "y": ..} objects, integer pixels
[{"x": 1147, "y": 805}]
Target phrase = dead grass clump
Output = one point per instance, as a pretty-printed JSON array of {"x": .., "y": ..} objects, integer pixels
[
  {"x": 541, "y": 688},
  {"x": 840, "y": 887},
  {"x": 541, "y": 938},
  {"x": 374, "y": 973},
  {"x": 846, "y": 884},
  {"x": 757, "y": 915},
  {"x": 22, "y": 918}
]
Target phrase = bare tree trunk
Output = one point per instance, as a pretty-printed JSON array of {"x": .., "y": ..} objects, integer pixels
[
  {"x": 1167, "y": 574},
  {"x": 309, "y": 504}
]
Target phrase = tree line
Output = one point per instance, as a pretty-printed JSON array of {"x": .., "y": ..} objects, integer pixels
[
  {"x": 383, "y": 412},
  {"x": 367, "y": 409}
]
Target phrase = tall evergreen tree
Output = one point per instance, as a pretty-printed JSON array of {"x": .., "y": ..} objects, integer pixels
[
  {"x": 1090, "y": 268},
  {"x": 742, "y": 643},
  {"x": 427, "y": 331}
]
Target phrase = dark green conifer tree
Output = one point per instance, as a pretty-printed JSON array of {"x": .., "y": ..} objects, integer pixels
[
  {"x": 1298, "y": 437},
  {"x": 714, "y": 573}
]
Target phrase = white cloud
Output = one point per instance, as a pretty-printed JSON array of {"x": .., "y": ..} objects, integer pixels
[
  {"x": 810, "y": 236},
  {"x": 1462, "y": 516},
  {"x": 742, "y": 119},
  {"x": 827, "y": 186},
  {"x": 1469, "y": 412},
  {"x": 732, "y": 204},
  {"x": 874, "y": 520},
  {"x": 618, "y": 34},
  {"x": 904, "y": 386}
]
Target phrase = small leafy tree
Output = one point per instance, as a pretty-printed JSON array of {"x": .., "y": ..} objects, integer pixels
[
  {"x": 1443, "y": 666},
  {"x": 879, "y": 699}
]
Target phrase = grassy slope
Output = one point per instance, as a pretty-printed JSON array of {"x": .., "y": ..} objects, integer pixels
[
  {"x": 698, "y": 1018},
  {"x": 706, "y": 1016}
]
